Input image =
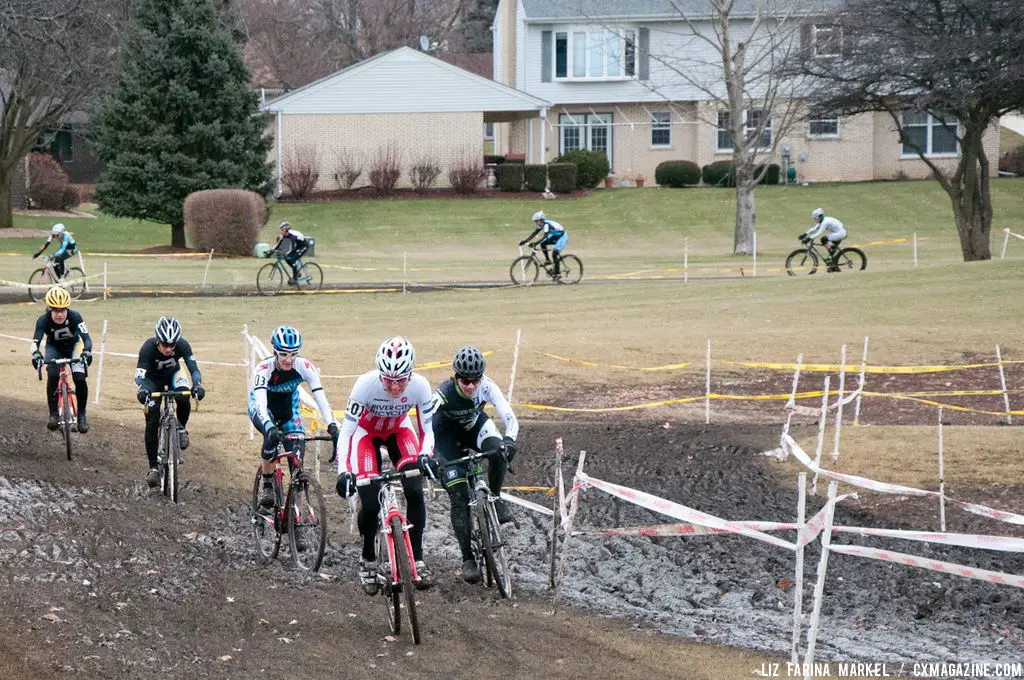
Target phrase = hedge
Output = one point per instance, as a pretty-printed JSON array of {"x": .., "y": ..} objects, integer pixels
[
  {"x": 771, "y": 175},
  {"x": 591, "y": 167},
  {"x": 536, "y": 177},
  {"x": 509, "y": 176},
  {"x": 226, "y": 220},
  {"x": 563, "y": 177},
  {"x": 677, "y": 174},
  {"x": 718, "y": 174}
]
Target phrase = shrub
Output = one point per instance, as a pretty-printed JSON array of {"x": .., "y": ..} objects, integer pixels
[
  {"x": 467, "y": 174},
  {"x": 301, "y": 171},
  {"x": 47, "y": 182},
  {"x": 348, "y": 168},
  {"x": 677, "y": 174},
  {"x": 1013, "y": 161},
  {"x": 563, "y": 177},
  {"x": 226, "y": 220},
  {"x": 509, "y": 176},
  {"x": 591, "y": 167},
  {"x": 423, "y": 173},
  {"x": 900, "y": 176},
  {"x": 535, "y": 177},
  {"x": 719, "y": 174},
  {"x": 771, "y": 174},
  {"x": 385, "y": 169},
  {"x": 72, "y": 199},
  {"x": 85, "y": 192}
]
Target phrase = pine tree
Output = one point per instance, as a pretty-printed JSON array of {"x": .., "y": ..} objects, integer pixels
[{"x": 181, "y": 116}]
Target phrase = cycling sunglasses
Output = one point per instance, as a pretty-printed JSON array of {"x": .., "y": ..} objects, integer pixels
[{"x": 468, "y": 381}]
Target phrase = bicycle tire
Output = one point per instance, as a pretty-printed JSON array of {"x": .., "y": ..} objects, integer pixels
[
  {"x": 570, "y": 269},
  {"x": 37, "y": 278},
  {"x": 389, "y": 587},
  {"x": 268, "y": 539},
  {"x": 802, "y": 261},
  {"x": 74, "y": 282},
  {"x": 524, "y": 271},
  {"x": 851, "y": 259},
  {"x": 269, "y": 279},
  {"x": 65, "y": 415},
  {"x": 309, "y": 521},
  {"x": 169, "y": 468},
  {"x": 314, "y": 273},
  {"x": 405, "y": 567},
  {"x": 495, "y": 553}
]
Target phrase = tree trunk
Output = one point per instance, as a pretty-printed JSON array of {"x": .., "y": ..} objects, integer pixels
[
  {"x": 6, "y": 212},
  {"x": 971, "y": 195},
  {"x": 746, "y": 216},
  {"x": 178, "y": 235}
]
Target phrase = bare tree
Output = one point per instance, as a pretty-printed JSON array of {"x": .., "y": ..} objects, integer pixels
[
  {"x": 943, "y": 70},
  {"x": 55, "y": 58}
]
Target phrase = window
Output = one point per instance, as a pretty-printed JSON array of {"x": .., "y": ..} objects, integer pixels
[
  {"x": 827, "y": 41},
  {"x": 595, "y": 54},
  {"x": 61, "y": 148},
  {"x": 591, "y": 131},
  {"x": 488, "y": 130},
  {"x": 661, "y": 128},
  {"x": 824, "y": 127},
  {"x": 723, "y": 140},
  {"x": 934, "y": 136},
  {"x": 753, "y": 118}
]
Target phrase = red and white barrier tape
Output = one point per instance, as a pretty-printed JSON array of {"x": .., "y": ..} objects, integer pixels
[
  {"x": 985, "y": 541},
  {"x": 935, "y": 565},
  {"x": 816, "y": 410},
  {"x": 529, "y": 505}
]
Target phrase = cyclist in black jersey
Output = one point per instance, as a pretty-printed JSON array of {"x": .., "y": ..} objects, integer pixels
[
  {"x": 460, "y": 423},
  {"x": 63, "y": 327}
]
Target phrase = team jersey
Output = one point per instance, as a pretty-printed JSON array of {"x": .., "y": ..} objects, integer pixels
[
  {"x": 275, "y": 390},
  {"x": 552, "y": 230},
  {"x": 373, "y": 409},
  {"x": 452, "y": 407},
  {"x": 157, "y": 370},
  {"x": 828, "y": 225},
  {"x": 296, "y": 237},
  {"x": 63, "y": 336}
]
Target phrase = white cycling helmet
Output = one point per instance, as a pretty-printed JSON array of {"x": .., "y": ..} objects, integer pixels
[
  {"x": 817, "y": 213},
  {"x": 168, "y": 330},
  {"x": 57, "y": 229},
  {"x": 539, "y": 215},
  {"x": 395, "y": 358}
]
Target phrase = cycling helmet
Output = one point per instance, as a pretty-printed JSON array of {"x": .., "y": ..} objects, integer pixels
[
  {"x": 395, "y": 358},
  {"x": 285, "y": 226},
  {"x": 57, "y": 298},
  {"x": 168, "y": 330},
  {"x": 469, "y": 363},
  {"x": 286, "y": 340},
  {"x": 817, "y": 213},
  {"x": 539, "y": 215},
  {"x": 57, "y": 229}
]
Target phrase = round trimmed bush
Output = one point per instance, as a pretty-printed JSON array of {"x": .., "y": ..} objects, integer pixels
[
  {"x": 536, "y": 177},
  {"x": 719, "y": 174},
  {"x": 563, "y": 177},
  {"x": 509, "y": 176},
  {"x": 591, "y": 167},
  {"x": 677, "y": 174}
]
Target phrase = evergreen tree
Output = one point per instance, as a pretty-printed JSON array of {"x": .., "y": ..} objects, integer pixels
[{"x": 181, "y": 116}]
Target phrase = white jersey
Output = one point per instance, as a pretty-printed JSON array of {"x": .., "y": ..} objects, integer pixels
[
  {"x": 373, "y": 409},
  {"x": 829, "y": 226},
  {"x": 487, "y": 392},
  {"x": 270, "y": 383}
]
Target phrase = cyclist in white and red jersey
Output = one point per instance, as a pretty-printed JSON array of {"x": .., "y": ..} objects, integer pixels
[{"x": 377, "y": 415}]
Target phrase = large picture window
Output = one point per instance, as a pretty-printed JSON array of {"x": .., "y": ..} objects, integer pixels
[
  {"x": 592, "y": 131},
  {"x": 827, "y": 40},
  {"x": 934, "y": 136},
  {"x": 824, "y": 128},
  {"x": 594, "y": 53}
]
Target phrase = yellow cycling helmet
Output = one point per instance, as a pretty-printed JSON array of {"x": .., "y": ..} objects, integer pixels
[{"x": 57, "y": 298}]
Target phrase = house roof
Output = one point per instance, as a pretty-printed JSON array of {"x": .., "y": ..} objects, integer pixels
[
  {"x": 559, "y": 10},
  {"x": 404, "y": 81}
]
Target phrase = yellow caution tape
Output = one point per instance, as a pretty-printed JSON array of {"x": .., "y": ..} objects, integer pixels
[
  {"x": 855, "y": 368},
  {"x": 550, "y": 491},
  {"x": 667, "y": 367}
]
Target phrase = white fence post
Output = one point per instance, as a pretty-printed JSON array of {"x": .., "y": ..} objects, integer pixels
[
  {"x": 1006, "y": 239},
  {"x": 405, "y": 269},
  {"x": 248, "y": 359},
  {"x": 819, "y": 586},
  {"x": 515, "y": 362},
  {"x": 81, "y": 264},
  {"x": 106, "y": 288},
  {"x": 798, "y": 592},
  {"x": 707, "y": 386},
  {"x": 1002, "y": 384},
  {"x": 839, "y": 407},
  {"x": 792, "y": 395},
  {"x": 942, "y": 481},
  {"x": 860, "y": 383},
  {"x": 99, "y": 369},
  {"x": 821, "y": 433},
  {"x": 686, "y": 260},
  {"x": 207, "y": 270},
  {"x": 755, "y": 252},
  {"x": 915, "y": 248}
]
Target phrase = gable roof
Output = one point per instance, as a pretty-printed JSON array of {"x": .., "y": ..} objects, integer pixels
[
  {"x": 557, "y": 10},
  {"x": 404, "y": 81}
]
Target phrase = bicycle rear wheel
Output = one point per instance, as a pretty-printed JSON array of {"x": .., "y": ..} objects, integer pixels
[
  {"x": 74, "y": 281},
  {"x": 570, "y": 269},
  {"x": 268, "y": 540},
  {"x": 66, "y": 416},
  {"x": 307, "y": 523},
  {"x": 40, "y": 279},
  {"x": 404, "y": 560},
  {"x": 851, "y": 259},
  {"x": 494, "y": 546},
  {"x": 524, "y": 271},
  {"x": 169, "y": 468},
  {"x": 802, "y": 261},
  {"x": 269, "y": 279},
  {"x": 311, "y": 277}
]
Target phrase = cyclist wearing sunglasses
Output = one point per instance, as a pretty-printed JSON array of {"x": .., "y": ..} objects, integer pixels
[
  {"x": 62, "y": 327},
  {"x": 158, "y": 370},
  {"x": 377, "y": 415},
  {"x": 274, "y": 406},
  {"x": 460, "y": 423}
]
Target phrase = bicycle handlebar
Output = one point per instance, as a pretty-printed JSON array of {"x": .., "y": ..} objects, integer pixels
[
  {"x": 473, "y": 457},
  {"x": 389, "y": 476},
  {"x": 55, "y": 362},
  {"x": 171, "y": 393}
]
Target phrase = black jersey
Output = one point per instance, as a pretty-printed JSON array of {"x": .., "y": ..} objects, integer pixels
[
  {"x": 156, "y": 370},
  {"x": 453, "y": 408},
  {"x": 62, "y": 336}
]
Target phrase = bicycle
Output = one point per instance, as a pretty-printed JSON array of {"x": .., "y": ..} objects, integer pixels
[
  {"x": 301, "y": 512},
  {"x": 271, "y": 277},
  {"x": 526, "y": 268},
  {"x": 806, "y": 260},
  {"x": 168, "y": 452},
  {"x": 488, "y": 543},
  {"x": 40, "y": 280},
  {"x": 67, "y": 406},
  {"x": 395, "y": 576}
]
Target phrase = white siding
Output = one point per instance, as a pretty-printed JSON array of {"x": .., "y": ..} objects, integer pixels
[{"x": 496, "y": 46}]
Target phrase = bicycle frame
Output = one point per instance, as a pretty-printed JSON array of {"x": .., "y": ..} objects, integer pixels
[
  {"x": 389, "y": 509},
  {"x": 67, "y": 405},
  {"x": 167, "y": 438}
]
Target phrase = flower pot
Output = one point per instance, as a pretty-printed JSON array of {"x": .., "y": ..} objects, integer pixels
[
  {"x": 609, "y": 182},
  {"x": 640, "y": 182}
]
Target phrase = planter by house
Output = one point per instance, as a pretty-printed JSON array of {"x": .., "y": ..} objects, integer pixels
[
  {"x": 609, "y": 182},
  {"x": 640, "y": 181}
]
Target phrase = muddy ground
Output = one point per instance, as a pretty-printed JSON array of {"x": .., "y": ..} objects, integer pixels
[{"x": 101, "y": 579}]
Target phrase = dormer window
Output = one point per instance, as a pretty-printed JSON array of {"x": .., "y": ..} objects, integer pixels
[{"x": 594, "y": 53}]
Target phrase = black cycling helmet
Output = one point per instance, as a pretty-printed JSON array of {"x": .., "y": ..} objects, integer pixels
[{"x": 469, "y": 362}]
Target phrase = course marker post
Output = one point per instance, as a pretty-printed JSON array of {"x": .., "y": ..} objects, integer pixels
[
  {"x": 798, "y": 593},
  {"x": 860, "y": 383},
  {"x": 99, "y": 369},
  {"x": 206, "y": 271},
  {"x": 839, "y": 408},
  {"x": 707, "y": 386},
  {"x": 942, "y": 481},
  {"x": 821, "y": 433},
  {"x": 819, "y": 586},
  {"x": 1002, "y": 384}
]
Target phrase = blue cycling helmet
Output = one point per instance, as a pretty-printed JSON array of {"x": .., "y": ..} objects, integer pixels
[{"x": 286, "y": 339}]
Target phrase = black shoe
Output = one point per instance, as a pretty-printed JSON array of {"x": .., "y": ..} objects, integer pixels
[
  {"x": 471, "y": 571},
  {"x": 53, "y": 423},
  {"x": 504, "y": 514},
  {"x": 267, "y": 497},
  {"x": 300, "y": 543},
  {"x": 83, "y": 424},
  {"x": 182, "y": 439},
  {"x": 425, "y": 579},
  {"x": 368, "y": 576},
  {"x": 153, "y": 478}
]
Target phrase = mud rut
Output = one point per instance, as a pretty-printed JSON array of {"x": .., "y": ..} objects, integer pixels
[{"x": 100, "y": 579}]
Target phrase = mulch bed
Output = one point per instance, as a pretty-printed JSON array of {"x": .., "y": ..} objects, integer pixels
[{"x": 370, "y": 193}]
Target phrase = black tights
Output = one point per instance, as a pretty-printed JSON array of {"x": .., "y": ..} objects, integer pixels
[
  {"x": 153, "y": 425},
  {"x": 459, "y": 491},
  {"x": 81, "y": 389},
  {"x": 416, "y": 513}
]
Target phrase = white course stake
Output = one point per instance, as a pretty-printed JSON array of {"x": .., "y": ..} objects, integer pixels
[
  {"x": 206, "y": 271},
  {"x": 819, "y": 586},
  {"x": 405, "y": 269},
  {"x": 686, "y": 260},
  {"x": 81, "y": 264},
  {"x": 515, "y": 362},
  {"x": 754, "y": 249},
  {"x": 106, "y": 288},
  {"x": 1006, "y": 239},
  {"x": 942, "y": 481},
  {"x": 792, "y": 395},
  {"x": 1002, "y": 384},
  {"x": 707, "y": 386},
  {"x": 821, "y": 433},
  {"x": 99, "y": 369},
  {"x": 249, "y": 360},
  {"x": 839, "y": 408},
  {"x": 860, "y": 383},
  {"x": 798, "y": 592},
  {"x": 915, "y": 248}
]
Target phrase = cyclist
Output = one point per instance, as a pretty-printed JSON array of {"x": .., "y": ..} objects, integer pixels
[
  {"x": 68, "y": 247},
  {"x": 274, "y": 400},
  {"x": 158, "y": 370},
  {"x": 831, "y": 231},
  {"x": 63, "y": 327},
  {"x": 459, "y": 422},
  {"x": 377, "y": 415},
  {"x": 553, "y": 234},
  {"x": 298, "y": 246}
]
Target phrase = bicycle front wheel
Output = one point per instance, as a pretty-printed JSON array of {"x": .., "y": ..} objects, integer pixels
[
  {"x": 802, "y": 261},
  {"x": 850, "y": 259},
  {"x": 311, "y": 277},
  {"x": 495, "y": 558},
  {"x": 74, "y": 281},
  {"x": 66, "y": 417},
  {"x": 269, "y": 279},
  {"x": 38, "y": 281},
  {"x": 268, "y": 540},
  {"x": 307, "y": 523},
  {"x": 570, "y": 269},
  {"x": 524, "y": 271},
  {"x": 404, "y": 560},
  {"x": 169, "y": 468}
]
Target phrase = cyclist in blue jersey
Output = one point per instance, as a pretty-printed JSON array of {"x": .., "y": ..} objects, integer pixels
[
  {"x": 68, "y": 247},
  {"x": 553, "y": 234}
]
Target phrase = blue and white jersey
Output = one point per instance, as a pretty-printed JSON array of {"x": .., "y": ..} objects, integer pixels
[
  {"x": 830, "y": 227},
  {"x": 274, "y": 396},
  {"x": 552, "y": 230}
]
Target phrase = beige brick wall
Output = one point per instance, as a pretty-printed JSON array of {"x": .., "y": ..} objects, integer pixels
[{"x": 445, "y": 138}]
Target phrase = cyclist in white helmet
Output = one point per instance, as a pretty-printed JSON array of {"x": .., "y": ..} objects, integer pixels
[
  {"x": 831, "y": 231},
  {"x": 68, "y": 247},
  {"x": 553, "y": 234},
  {"x": 298, "y": 246},
  {"x": 377, "y": 415}
]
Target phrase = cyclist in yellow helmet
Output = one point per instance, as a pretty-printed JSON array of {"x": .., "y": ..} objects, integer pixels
[{"x": 63, "y": 328}]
